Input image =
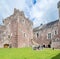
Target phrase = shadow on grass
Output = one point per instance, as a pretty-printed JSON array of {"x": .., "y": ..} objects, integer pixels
[{"x": 57, "y": 56}]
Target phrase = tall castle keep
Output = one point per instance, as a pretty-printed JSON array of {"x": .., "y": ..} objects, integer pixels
[{"x": 18, "y": 31}]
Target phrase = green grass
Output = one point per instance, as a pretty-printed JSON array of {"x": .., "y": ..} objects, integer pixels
[{"x": 28, "y": 53}]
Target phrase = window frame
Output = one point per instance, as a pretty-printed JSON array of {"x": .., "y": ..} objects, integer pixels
[{"x": 50, "y": 35}]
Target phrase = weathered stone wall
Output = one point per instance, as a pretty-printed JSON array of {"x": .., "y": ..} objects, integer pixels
[
  {"x": 43, "y": 31},
  {"x": 56, "y": 40},
  {"x": 2, "y": 34},
  {"x": 42, "y": 38},
  {"x": 19, "y": 29}
]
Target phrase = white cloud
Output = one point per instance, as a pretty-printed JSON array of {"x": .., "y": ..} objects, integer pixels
[
  {"x": 7, "y": 7},
  {"x": 42, "y": 11}
]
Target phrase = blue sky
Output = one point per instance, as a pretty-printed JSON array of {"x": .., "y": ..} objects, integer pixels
[{"x": 39, "y": 11}]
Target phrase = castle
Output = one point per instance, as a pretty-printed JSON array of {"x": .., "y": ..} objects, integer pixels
[
  {"x": 48, "y": 34},
  {"x": 17, "y": 32}
]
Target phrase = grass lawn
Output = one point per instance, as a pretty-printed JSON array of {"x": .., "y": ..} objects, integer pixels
[{"x": 28, "y": 53}]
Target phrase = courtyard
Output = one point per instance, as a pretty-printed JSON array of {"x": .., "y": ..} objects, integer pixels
[{"x": 29, "y": 53}]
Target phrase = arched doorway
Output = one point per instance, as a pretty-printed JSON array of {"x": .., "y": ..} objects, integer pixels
[
  {"x": 44, "y": 46},
  {"x": 49, "y": 46},
  {"x": 6, "y": 45}
]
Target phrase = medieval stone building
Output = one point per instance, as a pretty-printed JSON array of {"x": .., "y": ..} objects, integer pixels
[
  {"x": 48, "y": 34},
  {"x": 17, "y": 31}
]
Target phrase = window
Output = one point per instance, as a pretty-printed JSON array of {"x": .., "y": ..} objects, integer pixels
[
  {"x": 49, "y": 35},
  {"x": 37, "y": 34},
  {"x": 55, "y": 32},
  {"x": 8, "y": 36},
  {"x": 24, "y": 34},
  {"x": 23, "y": 21}
]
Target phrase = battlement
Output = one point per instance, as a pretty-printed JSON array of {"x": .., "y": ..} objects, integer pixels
[{"x": 18, "y": 11}]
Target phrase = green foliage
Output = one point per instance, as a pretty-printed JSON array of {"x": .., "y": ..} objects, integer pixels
[{"x": 28, "y": 53}]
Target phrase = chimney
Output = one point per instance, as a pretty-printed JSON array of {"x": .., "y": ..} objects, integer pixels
[{"x": 58, "y": 5}]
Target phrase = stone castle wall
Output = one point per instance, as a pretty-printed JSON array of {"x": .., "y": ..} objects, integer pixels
[{"x": 19, "y": 30}]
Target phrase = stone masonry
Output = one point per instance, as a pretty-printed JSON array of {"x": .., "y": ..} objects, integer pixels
[
  {"x": 48, "y": 35},
  {"x": 18, "y": 32}
]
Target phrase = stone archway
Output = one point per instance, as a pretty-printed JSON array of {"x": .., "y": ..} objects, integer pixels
[
  {"x": 6, "y": 45},
  {"x": 44, "y": 46},
  {"x": 49, "y": 46}
]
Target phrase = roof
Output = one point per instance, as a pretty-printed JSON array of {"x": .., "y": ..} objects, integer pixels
[{"x": 45, "y": 25}]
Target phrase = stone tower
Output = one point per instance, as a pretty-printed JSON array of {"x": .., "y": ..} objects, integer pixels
[{"x": 59, "y": 9}]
